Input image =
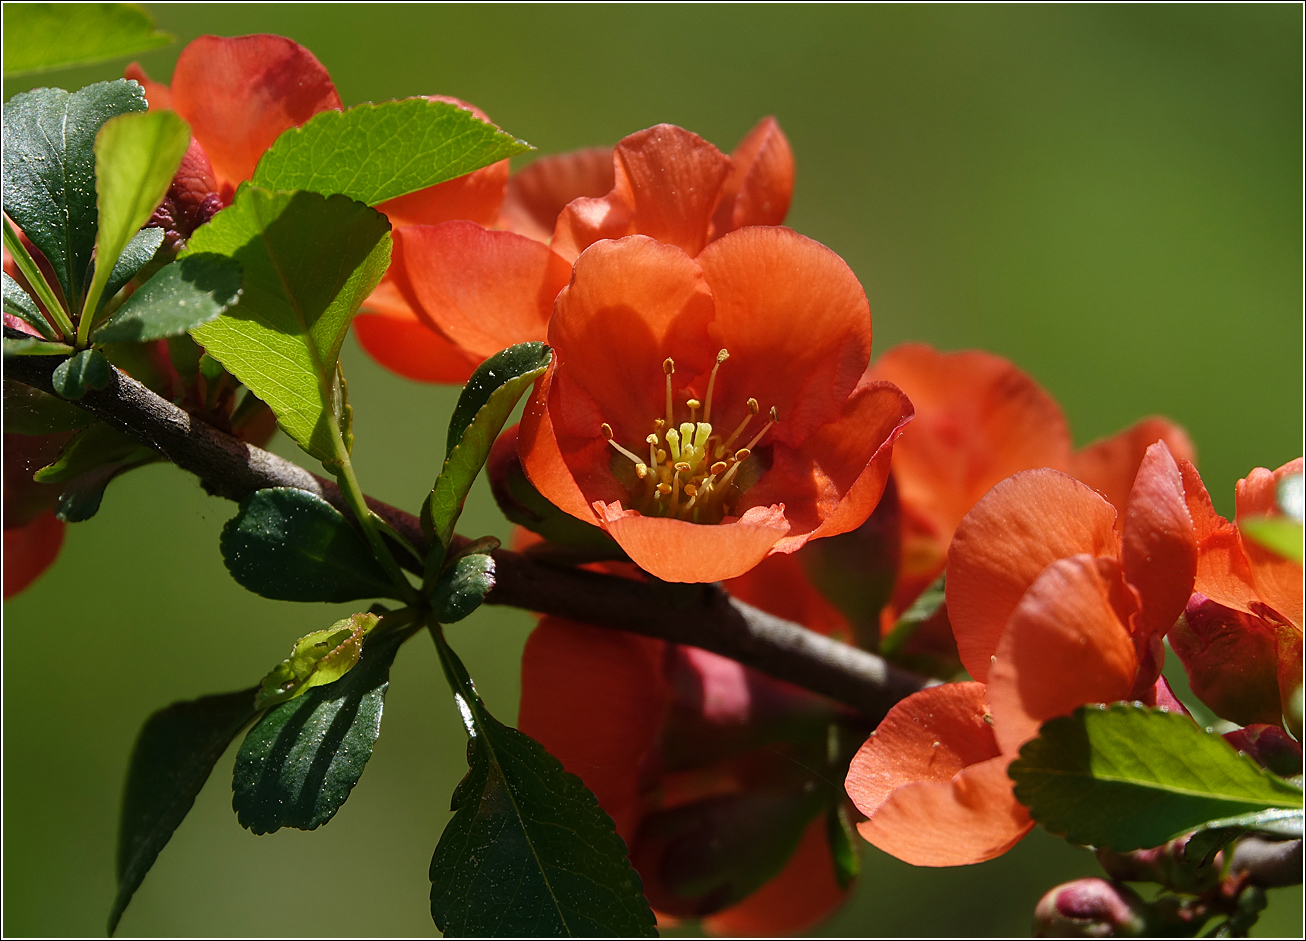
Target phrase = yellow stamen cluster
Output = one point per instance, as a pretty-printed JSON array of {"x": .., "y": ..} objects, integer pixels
[{"x": 690, "y": 470}]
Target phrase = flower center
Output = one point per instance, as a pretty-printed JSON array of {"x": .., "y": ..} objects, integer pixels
[{"x": 692, "y": 472}]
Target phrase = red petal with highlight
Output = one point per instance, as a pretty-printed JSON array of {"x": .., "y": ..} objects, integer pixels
[
  {"x": 481, "y": 289},
  {"x": 761, "y": 184},
  {"x": 1111, "y": 464},
  {"x": 239, "y": 94},
  {"x": 1223, "y": 572},
  {"x": 1020, "y": 527},
  {"x": 1065, "y": 645},
  {"x": 796, "y": 323},
  {"x": 1278, "y": 580},
  {"x": 539, "y": 192},
  {"x": 568, "y": 669},
  {"x": 396, "y": 338}
]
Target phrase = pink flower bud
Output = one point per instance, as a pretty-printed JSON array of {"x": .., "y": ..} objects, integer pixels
[{"x": 1090, "y": 908}]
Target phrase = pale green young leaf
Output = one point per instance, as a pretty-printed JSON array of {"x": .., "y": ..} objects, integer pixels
[
  {"x": 44, "y": 36},
  {"x": 316, "y": 659},
  {"x": 308, "y": 262}
]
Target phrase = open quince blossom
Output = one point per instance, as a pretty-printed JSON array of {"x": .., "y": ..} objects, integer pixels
[
  {"x": 1240, "y": 639},
  {"x": 1053, "y": 607},
  {"x": 714, "y": 774},
  {"x": 478, "y": 290},
  {"x": 707, "y": 411}
]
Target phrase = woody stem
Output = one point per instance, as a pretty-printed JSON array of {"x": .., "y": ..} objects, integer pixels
[{"x": 706, "y": 616}]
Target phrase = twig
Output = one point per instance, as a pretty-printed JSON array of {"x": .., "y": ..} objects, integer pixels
[{"x": 698, "y": 615}]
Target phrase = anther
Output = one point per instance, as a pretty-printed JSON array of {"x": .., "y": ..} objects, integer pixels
[
  {"x": 682, "y": 466},
  {"x": 742, "y": 454},
  {"x": 607, "y": 430},
  {"x": 668, "y": 365},
  {"x": 753, "y": 409},
  {"x": 641, "y": 470},
  {"x": 664, "y": 489},
  {"x": 718, "y": 467},
  {"x": 721, "y": 357},
  {"x": 691, "y": 490}
]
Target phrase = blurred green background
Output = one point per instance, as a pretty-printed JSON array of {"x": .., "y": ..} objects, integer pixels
[{"x": 1109, "y": 195}]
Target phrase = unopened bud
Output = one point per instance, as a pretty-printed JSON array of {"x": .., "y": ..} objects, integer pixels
[{"x": 1090, "y": 908}]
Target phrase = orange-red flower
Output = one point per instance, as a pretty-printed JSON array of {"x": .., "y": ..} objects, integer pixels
[
  {"x": 979, "y": 419},
  {"x": 708, "y": 411},
  {"x": 482, "y": 290},
  {"x": 1241, "y": 638},
  {"x": 32, "y": 533},
  {"x": 239, "y": 94},
  {"x": 1053, "y": 607},
  {"x": 712, "y": 773}
]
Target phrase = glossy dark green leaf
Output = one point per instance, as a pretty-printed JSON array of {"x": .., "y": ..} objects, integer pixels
[
  {"x": 1216, "y": 834},
  {"x": 376, "y": 152},
  {"x": 484, "y": 405},
  {"x": 292, "y": 545},
  {"x": 30, "y": 411},
  {"x": 463, "y": 585},
  {"x": 135, "y": 256},
  {"x": 174, "y": 754},
  {"x": 90, "y": 461},
  {"x": 136, "y": 156},
  {"x": 189, "y": 292},
  {"x": 18, "y": 304},
  {"x": 529, "y": 851},
  {"x": 87, "y": 369},
  {"x": 1125, "y": 776},
  {"x": 49, "y": 170},
  {"x": 317, "y": 659},
  {"x": 297, "y": 766},
  {"x": 308, "y": 263},
  {"x": 43, "y": 36}
]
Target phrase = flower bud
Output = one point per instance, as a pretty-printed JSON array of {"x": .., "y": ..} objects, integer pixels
[
  {"x": 1232, "y": 661},
  {"x": 191, "y": 201},
  {"x": 1270, "y": 747},
  {"x": 1090, "y": 908}
]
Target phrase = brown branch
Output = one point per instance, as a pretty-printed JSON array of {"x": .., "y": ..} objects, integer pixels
[{"x": 699, "y": 615}]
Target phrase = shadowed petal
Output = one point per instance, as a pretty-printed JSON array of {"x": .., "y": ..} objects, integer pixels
[
  {"x": 1022, "y": 525},
  {"x": 1065, "y": 645},
  {"x": 761, "y": 184},
  {"x": 1110, "y": 465},
  {"x": 567, "y": 670},
  {"x": 796, "y": 323},
  {"x": 238, "y": 94},
  {"x": 1223, "y": 572},
  {"x": 402, "y": 343},
  {"x": 678, "y": 551},
  {"x": 1278, "y": 580},
  {"x": 481, "y": 289},
  {"x": 539, "y": 192},
  {"x": 779, "y": 585},
  {"x": 1232, "y": 662}
]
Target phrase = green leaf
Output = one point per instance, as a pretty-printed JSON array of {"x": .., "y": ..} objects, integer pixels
[
  {"x": 925, "y": 607},
  {"x": 843, "y": 846},
  {"x": 30, "y": 411},
  {"x": 316, "y": 659},
  {"x": 18, "y": 304},
  {"x": 376, "y": 152},
  {"x": 35, "y": 347},
  {"x": 463, "y": 585},
  {"x": 1281, "y": 536},
  {"x": 1125, "y": 776},
  {"x": 136, "y": 156},
  {"x": 484, "y": 405},
  {"x": 298, "y": 765},
  {"x": 1216, "y": 834},
  {"x": 174, "y": 754},
  {"x": 87, "y": 369},
  {"x": 94, "y": 457},
  {"x": 529, "y": 851},
  {"x": 49, "y": 170},
  {"x": 292, "y": 545},
  {"x": 43, "y": 36},
  {"x": 139, "y": 252},
  {"x": 181, "y": 296},
  {"x": 308, "y": 262}
]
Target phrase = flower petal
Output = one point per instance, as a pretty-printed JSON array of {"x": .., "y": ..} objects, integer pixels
[
  {"x": 1110, "y": 465},
  {"x": 1065, "y": 645},
  {"x": 539, "y": 192},
  {"x": 1223, "y": 572},
  {"x": 761, "y": 184},
  {"x": 1231, "y": 659},
  {"x": 1278, "y": 580},
  {"x": 796, "y": 323},
  {"x": 483, "y": 290},
  {"x": 667, "y": 185},
  {"x": 802, "y": 895},
  {"x": 156, "y": 93},
  {"x": 832, "y": 482},
  {"x": 1158, "y": 544},
  {"x": 594, "y": 698},
  {"x": 1022, "y": 525},
  {"x": 29, "y": 550},
  {"x": 542, "y": 455},
  {"x": 979, "y": 420},
  {"x": 933, "y": 783},
  {"x": 678, "y": 551},
  {"x": 400, "y": 341},
  {"x": 238, "y": 94}
]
